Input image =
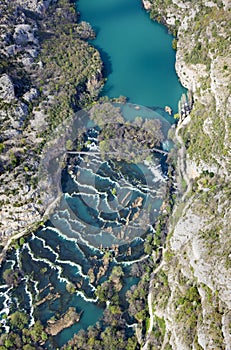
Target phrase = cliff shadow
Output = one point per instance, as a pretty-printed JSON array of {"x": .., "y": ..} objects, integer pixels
[{"x": 107, "y": 62}]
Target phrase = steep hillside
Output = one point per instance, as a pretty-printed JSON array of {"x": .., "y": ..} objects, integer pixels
[
  {"x": 194, "y": 297},
  {"x": 47, "y": 71}
]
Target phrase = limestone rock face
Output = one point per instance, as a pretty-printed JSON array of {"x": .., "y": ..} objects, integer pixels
[
  {"x": 147, "y": 4},
  {"x": 31, "y": 95},
  {"x": 6, "y": 88},
  {"x": 24, "y": 34},
  {"x": 20, "y": 111},
  {"x": 197, "y": 308},
  {"x": 38, "y": 6},
  {"x": 19, "y": 48}
]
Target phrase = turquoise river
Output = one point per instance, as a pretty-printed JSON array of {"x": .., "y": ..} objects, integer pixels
[{"x": 137, "y": 52}]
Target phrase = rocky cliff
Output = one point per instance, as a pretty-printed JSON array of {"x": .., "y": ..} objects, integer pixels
[
  {"x": 194, "y": 298},
  {"x": 41, "y": 48}
]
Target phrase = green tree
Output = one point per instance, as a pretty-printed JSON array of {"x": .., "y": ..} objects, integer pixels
[
  {"x": 2, "y": 146},
  {"x": 174, "y": 44},
  {"x": 70, "y": 287},
  {"x": 69, "y": 145},
  {"x": 12, "y": 277},
  {"x": 19, "y": 319}
]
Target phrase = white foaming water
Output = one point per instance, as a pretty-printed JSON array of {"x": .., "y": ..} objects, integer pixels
[
  {"x": 91, "y": 300},
  {"x": 134, "y": 325},
  {"x": 3, "y": 286},
  {"x": 45, "y": 246},
  {"x": 81, "y": 187},
  {"x": 13, "y": 263},
  {"x": 6, "y": 307},
  {"x": 17, "y": 255},
  {"x": 32, "y": 320},
  {"x": 65, "y": 215},
  {"x": 90, "y": 200},
  {"x": 79, "y": 236},
  {"x": 95, "y": 176},
  {"x": 156, "y": 172},
  {"x": 105, "y": 205},
  {"x": 36, "y": 288},
  {"x": 127, "y": 263},
  {"x": 45, "y": 260},
  {"x": 70, "y": 230},
  {"x": 59, "y": 233},
  {"x": 80, "y": 270},
  {"x": 61, "y": 279}
]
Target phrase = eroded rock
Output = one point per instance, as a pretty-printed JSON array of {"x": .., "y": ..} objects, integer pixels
[{"x": 6, "y": 88}]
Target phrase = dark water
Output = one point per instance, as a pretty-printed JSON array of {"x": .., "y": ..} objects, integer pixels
[{"x": 99, "y": 195}]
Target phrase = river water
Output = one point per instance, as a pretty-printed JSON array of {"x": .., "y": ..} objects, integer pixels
[
  {"x": 137, "y": 52},
  {"x": 100, "y": 196}
]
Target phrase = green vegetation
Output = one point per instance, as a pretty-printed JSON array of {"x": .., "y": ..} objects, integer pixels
[
  {"x": 71, "y": 67},
  {"x": 19, "y": 319},
  {"x": 188, "y": 308},
  {"x": 110, "y": 339},
  {"x": 119, "y": 139},
  {"x": 70, "y": 78},
  {"x": 200, "y": 145},
  {"x": 70, "y": 287},
  {"x": 137, "y": 299},
  {"x": 113, "y": 191},
  {"x": 159, "y": 330},
  {"x": 12, "y": 277},
  {"x": 174, "y": 44},
  {"x": 130, "y": 142},
  {"x": 213, "y": 316},
  {"x": 20, "y": 337},
  {"x": 109, "y": 290},
  {"x": 2, "y": 146},
  {"x": 111, "y": 332},
  {"x": 206, "y": 38}
]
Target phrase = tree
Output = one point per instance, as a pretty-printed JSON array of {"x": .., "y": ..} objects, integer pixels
[
  {"x": 69, "y": 145},
  {"x": 28, "y": 347},
  {"x": 12, "y": 277},
  {"x": 174, "y": 44},
  {"x": 70, "y": 287},
  {"x": 19, "y": 319}
]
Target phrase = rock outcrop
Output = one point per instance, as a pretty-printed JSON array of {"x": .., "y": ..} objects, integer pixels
[
  {"x": 38, "y": 6},
  {"x": 147, "y": 4},
  {"x": 67, "y": 320},
  {"x": 6, "y": 88}
]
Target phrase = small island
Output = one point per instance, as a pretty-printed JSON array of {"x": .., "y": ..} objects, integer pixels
[{"x": 67, "y": 320}]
